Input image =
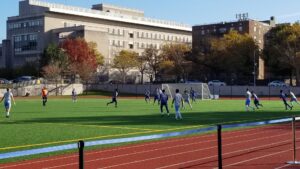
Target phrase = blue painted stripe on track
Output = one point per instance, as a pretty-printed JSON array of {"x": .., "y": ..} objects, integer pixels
[
  {"x": 260, "y": 123},
  {"x": 101, "y": 142}
]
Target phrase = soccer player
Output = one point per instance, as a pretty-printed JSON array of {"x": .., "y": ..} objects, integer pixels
[
  {"x": 147, "y": 96},
  {"x": 193, "y": 94},
  {"x": 177, "y": 100},
  {"x": 256, "y": 100},
  {"x": 157, "y": 96},
  {"x": 293, "y": 98},
  {"x": 186, "y": 98},
  {"x": 248, "y": 100},
  {"x": 114, "y": 98},
  {"x": 74, "y": 95},
  {"x": 7, "y": 97},
  {"x": 283, "y": 97},
  {"x": 44, "y": 96},
  {"x": 164, "y": 102}
]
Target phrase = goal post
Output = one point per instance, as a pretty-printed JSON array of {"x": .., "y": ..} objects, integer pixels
[{"x": 201, "y": 89}]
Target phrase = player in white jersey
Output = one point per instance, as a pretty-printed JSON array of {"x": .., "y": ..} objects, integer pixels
[
  {"x": 248, "y": 100},
  {"x": 186, "y": 98},
  {"x": 7, "y": 97},
  {"x": 178, "y": 101},
  {"x": 293, "y": 98}
]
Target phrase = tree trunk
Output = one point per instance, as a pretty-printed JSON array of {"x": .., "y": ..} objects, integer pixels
[{"x": 297, "y": 77}]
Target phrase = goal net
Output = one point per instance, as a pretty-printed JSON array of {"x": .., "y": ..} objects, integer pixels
[{"x": 201, "y": 90}]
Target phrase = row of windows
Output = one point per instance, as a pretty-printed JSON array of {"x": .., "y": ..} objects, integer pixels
[
  {"x": 25, "y": 42},
  {"x": 27, "y": 37},
  {"x": 136, "y": 45},
  {"x": 24, "y": 24},
  {"x": 221, "y": 30},
  {"x": 25, "y": 46},
  {"x": 148, "y": 35}
]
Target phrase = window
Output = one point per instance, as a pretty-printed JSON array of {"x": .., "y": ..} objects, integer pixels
[
  {"x": 254, "y": 29},
  {"x": 130, "y": 46},
  {"x": 131, "y": 35},
  {"x": 202, "y": 32}
]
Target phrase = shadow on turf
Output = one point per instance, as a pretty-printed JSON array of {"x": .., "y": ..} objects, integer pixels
[{"x": 189, "y": 118}]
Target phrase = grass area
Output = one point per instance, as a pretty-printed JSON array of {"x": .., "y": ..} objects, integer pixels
[{"x": 62, "y": 121}]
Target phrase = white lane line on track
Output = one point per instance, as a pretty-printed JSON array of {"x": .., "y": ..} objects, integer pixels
[
  {"x": 283, "y": 166},
  {"x": 169, "y": 155},
  {"x": 256, "y": 158},
  {"x": 149, "y": 144}
]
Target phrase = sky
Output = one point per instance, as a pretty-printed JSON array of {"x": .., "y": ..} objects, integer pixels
[{"x": 191, "y": 12}]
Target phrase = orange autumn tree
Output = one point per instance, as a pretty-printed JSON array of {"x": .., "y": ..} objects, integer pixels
[{"x": 83, "y": 58}]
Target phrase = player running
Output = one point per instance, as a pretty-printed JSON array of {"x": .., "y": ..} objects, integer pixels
[
  {"x": 248, "y": 100},
  {"x": 74, "y": 95},
  {"x": 7, "y": 97},
  {"x": 164, "y": 102},
  {"x": 186, "y": 98},
  {"x": 193, "y": 94},
  {"x": 147, "y": 96},
  {"x": 44, "y": 96},
  {"x": 114, "y": 98},
  {"x": 256, "y": 100},
  {"x": 283, "y": 97},
  {"x": 293, "y": 98},
  {"x": 178, "y": 101}
]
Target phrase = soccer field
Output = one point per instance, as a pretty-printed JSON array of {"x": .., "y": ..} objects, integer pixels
[{"x": 61, "y": 121}]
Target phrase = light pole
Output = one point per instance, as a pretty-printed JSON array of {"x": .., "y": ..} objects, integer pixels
[{"x": 254, "y": 69}]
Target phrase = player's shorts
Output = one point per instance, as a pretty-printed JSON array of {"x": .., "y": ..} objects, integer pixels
[
  {"x": 147, "y": 97},
  {"x": 7, "y": 104},
  {"x": 294, "y": 100},
  {"x": 114, "y": 100},
  {"x": 247, "y": 102},
  {"x": 156, "y": 98},
  {"x": 256, "y": 101},
  {"x": 187, "y": 100}
]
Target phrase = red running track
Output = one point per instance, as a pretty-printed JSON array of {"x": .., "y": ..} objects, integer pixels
[{"x": 258, "y": 148}]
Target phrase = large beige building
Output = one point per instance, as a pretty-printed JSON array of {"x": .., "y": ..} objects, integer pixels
[{"x": 112, "y": 28}]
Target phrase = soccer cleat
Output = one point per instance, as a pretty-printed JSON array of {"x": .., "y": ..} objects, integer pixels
[{"x": 7, "y": 116}]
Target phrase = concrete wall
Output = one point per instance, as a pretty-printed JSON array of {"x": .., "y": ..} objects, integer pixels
[
  {"x": 236, "y": 91},
  {"x": 35, "y": 90}
]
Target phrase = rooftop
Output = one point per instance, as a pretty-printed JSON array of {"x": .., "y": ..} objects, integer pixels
[{"x": 72, "y": 10}]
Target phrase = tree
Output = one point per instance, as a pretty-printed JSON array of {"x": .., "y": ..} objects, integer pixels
[
  {"x": 125, "y": 61},
  {"x": 142, "y": 65},
  {"x": 177, "y": 53},
  {"x": 231, "y": 55},
  {"x": 153, "y": 60},
  {"x": 53, "y": 54},
  {"x": 82, "y": 55},
  {"x": 52, "y": 72},
  {"x": 98, "y": 55},
  {"x": 282, "y": 53}
]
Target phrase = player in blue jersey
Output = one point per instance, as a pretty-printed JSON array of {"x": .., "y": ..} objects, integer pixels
[
  {"x": 283, "y": 98},
  {"x": 157, "y": 96},
  {"x": 7, "y": 97},
  {"x": 256, "y": 100},
  {"x": 114, "y": 98},
  {"x": 164, "y": 103},
  {"x": 147, "y": 96}
]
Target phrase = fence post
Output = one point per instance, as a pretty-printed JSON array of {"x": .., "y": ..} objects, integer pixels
[
  {"x": 220, "y": 147},
  {"x": 81, "y": 154},
  {"x": 294, "y": 144}
]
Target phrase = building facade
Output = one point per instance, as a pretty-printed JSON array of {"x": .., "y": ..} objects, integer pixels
[
  {"x": 112, "y": 28},
  {"x": 256, "y": 29}
]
